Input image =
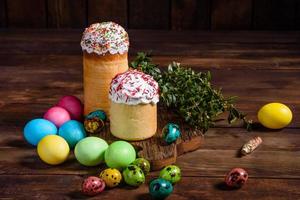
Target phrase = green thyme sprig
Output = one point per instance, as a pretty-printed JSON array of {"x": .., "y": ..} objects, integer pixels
[{"x": 190, "y": 93}]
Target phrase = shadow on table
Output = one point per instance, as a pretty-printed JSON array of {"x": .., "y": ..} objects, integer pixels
[
  {"x": 17, "y": 143},
  {"x": 34, "y": 162},
  {"x": 224, "y": 187}
]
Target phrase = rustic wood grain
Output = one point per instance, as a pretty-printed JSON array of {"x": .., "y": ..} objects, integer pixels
[
  {"x": 275, "y": 158},
  {"x": 231, "y": 14},
  {"x": 149, "y": 14},
  {"x": 67, "y": 14},
  {"x": 190, "y": 14},
  {"x": 107, "y": 10},
  {"x": 68, "y": 187},
  {"x": 27, "y": 14},
  {"x": 3, "y": 19},
  {"x": 38, "y": 67},
  {"x": 274, "y": 15}
]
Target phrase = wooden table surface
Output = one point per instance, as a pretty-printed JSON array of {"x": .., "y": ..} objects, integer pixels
[{"x": 39, "y": 66}]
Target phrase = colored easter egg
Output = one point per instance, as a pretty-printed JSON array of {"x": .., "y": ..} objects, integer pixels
[
  {"x": 237, "y": 177},
  {"x": 72, "y": 131},
  {"x": 133, "y": 175},
  {"x": 53, "y": 149},
  {"x": 160, "y": 188},
  {"x": 97, "y": 114},
  {"x": 92, "y": 186},
  {"x": 171, "y": 173},
  {"x": 73, "y": 105},
  {"x": 94, "y": 121},
  {"x": 36, "y": 129},
  {"x": 57, "y": 115},
  {"x": 119, "y": 155},
  {"x": 90, "y": 151},
  {"x": 275, "y": 115},
  {"x": 171, "y": 133},
  {"x": 143, "y": 164},
  {"x": 112, "y": 177}
]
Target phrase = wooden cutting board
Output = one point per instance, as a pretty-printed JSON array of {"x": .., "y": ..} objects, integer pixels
[{"x": 155, "y": 149}]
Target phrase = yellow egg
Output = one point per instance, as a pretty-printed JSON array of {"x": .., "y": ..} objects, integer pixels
[
  {"x": 275, "y": 115},
  {"x": 53, "y": 149}
]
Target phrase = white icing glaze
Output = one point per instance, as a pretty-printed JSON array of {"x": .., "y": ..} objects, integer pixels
[
  {"x": 105, "y": 37},
  {"x": 134, "y": 87}
]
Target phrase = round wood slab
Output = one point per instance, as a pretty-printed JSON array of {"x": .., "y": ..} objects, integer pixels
[{"x": 155, "y": 149}]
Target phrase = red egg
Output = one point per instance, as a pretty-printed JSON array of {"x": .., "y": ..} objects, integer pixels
[
  {"x": 237, "y": 177},
  {"x": 57, "y": 115},
  {"x": 73, "y": 105},
  {"x": 92, "y": 186}
]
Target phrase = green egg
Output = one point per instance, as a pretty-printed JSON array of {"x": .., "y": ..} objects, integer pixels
[
  {"x": 171, "y": 173},
  {"x": 143, "y": 164},
  {"x": 90, "y": 151},
  {"x": 133, "y": 175},
  {"x": 119, "y": 155}
]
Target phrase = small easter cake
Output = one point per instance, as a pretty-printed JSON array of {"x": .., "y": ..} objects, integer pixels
[
  {"x": 133, "y": 111},
  {"x": 105, "y": 47}
]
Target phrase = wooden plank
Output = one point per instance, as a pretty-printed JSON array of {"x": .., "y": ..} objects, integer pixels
[
  {"x": 3, "y": 18},
  {"x": 107, "y": 10},
  {"x": 232, "y": 139},
  {"x": 190, "y": 14},
  {"x": 201, "y": 44},
  {"x": 149, "y": 14},
  {"x": 68, "y": 187},
  {"x": 208, "y": 61},
  {"x": 65, "y": 73},
  {"x": 231, "y": 14},
  {"x": 274, "y": 15},
  {"x": 67, "y": 14},
  {"x": 22, "y": 15},
  {"x": 277, "y": 157}
]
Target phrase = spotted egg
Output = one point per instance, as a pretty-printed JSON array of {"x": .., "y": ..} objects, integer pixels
[
  {"x": 237, "y": 177},
  {"x": 92, "y": 186}
]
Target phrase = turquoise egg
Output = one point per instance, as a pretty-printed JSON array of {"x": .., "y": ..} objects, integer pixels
[
  {"x": 100, "y": 114},
  {"x": 36, "y": 129},
  {"x": 160, "y": 188},
  {"x": 171, "y": 133},
  {"x": 72, "y": 131}
]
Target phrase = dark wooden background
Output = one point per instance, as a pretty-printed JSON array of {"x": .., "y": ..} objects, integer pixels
[{"x": 153, "y": 14}]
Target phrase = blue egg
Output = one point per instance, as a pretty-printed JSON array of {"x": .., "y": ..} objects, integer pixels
[
  {"x": 171, "y": 133},
  {"x": 160, "y": 188},
  {"x": 72, "y": 131},
  {"x": 36, "y": 129}
]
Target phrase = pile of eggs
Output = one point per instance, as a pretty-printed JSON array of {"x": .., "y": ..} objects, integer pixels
[
  {"x": 129, "y": 169},
  {"x": 58, "y": 131}
]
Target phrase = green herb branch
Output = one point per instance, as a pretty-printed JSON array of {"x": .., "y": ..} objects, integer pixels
[{"x": 190, "y": 93}]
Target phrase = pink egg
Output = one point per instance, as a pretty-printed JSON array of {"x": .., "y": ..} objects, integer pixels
[
  {"x": 73, "y": 105},
  {"x": 57, "y": 115}
]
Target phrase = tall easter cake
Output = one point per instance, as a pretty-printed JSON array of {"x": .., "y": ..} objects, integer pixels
[
  {"x": 105, "y": 47},
  {"x": 133, "y": 111}
]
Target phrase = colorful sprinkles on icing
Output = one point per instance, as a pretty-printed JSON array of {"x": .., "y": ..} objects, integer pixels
[
  {"x": 105, "y": 37},
  {"x": 134, "y": 87}
]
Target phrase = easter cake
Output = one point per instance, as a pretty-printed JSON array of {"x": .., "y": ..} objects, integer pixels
[
  {"x": 133, "y": 111},
  {"x": 105, "y": 47}
]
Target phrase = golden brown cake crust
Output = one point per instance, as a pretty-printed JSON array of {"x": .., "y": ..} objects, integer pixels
[
  {"x": 108, "y": 57},
  {"x": 98, "y": 72}
]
